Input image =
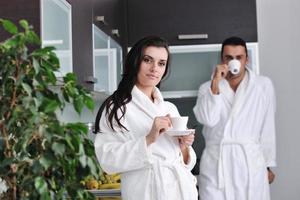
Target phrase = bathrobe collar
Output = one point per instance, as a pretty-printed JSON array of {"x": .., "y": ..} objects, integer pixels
[{"x": 152, "y": 109}]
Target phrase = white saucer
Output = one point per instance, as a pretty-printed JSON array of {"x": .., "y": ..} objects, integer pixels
[{"x": 179, "y": 133}]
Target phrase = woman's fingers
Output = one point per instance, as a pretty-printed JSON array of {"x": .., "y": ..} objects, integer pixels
[{"x": 187, "y": 140}]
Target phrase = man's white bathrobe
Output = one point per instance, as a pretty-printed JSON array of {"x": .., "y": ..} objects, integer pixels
[
  {"x": 239, "y": 132},
  {"x": 156, "y": 172}
]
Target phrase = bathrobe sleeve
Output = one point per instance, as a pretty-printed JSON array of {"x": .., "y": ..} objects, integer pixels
[
  {"x": 192, "y": 159},
  {"x": 118, "y": 152},
  {"x": 268, "y": 139},
  {"x": 208, "y": 106}
]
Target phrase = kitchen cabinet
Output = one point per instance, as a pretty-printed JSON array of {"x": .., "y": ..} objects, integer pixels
[
  {"x": 79, "y": 43},
  {"x": 110, "y": 17},
  {"x": 82, "y": 36},
  {"x": 119, "y": 58},
  {"x": 192, "y": 65},
  {"x": 171, "y": 18},
  {"x": 107, "y": 62},
  {"x": 15, "y": 10},
  {"x": 56, "y": 31}
]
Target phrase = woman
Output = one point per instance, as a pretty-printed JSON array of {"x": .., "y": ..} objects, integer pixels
[{"x": 132, "y": 139}]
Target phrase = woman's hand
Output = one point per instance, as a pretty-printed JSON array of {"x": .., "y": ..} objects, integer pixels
[
  {"x": 186, "y": 140},
  {"x": 160, "y": 124},
  {"x": 184, "y": 143}
]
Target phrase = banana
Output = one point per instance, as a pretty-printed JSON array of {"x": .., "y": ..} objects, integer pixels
[
  {"x": 105, "y": 181},
  {"x": 116, "y": 177},
  {"x": 110, "y": 186}
]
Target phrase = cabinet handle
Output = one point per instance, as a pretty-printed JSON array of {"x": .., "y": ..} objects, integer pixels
[
  {"x": 52, "y": 42},
  {"x": 115, "y": 32},
  {"x": 101, "y": 19},
  {"x": 90, "y": 79},
  {"x": 192, "y": 36}
]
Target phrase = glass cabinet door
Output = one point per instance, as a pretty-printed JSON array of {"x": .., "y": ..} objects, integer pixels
[
  {"x": 119, "y": 59},
  {"x": 105, "y": 62},
  {"x": 192, "y": 65},
  {"x": 56, "y": 30}
]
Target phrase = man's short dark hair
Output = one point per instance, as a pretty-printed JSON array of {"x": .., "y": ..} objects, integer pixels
[{"x": 235, "y": 41}]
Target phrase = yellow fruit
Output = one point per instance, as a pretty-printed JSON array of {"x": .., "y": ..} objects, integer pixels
[
  {"x": 82, "y": 183},
  {"x": 110, "y": 186},
  {"x": 117, "y": 177},
  {"x": 92, "y": 184}
]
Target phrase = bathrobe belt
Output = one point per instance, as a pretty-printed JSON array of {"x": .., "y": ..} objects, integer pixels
[
  {"x": 242, "y": 144},
  {"x": 180, "y": 175}
]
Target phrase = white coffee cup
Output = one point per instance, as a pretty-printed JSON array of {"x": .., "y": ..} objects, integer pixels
[
  {"x": 234, "y": 66},
  {"x": 179, "y": 123}
]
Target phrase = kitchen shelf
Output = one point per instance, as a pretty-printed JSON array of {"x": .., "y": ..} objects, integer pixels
[{"x": 106, "y": 193}]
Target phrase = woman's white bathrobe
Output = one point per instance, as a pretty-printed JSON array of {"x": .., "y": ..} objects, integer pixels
[
  {"x": 156, "y": 172},
  {"x": 239, "y": 132}
]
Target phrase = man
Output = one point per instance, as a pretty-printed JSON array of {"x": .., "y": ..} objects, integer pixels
[{"x": 237, "y": 111}]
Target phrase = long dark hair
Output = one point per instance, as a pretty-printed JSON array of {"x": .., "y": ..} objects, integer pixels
[{"x": 122, "y": 95}]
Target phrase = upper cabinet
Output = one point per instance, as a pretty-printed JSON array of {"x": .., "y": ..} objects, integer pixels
[
  {"x": 193, "y": 65},
  {"x": 110, "y": 17},
  {"x": 107, "y": 61},
  {"x": 211, "y": 20},
  {"x": 56, "y": 30}
]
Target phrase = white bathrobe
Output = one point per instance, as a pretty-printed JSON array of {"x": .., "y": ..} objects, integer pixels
[
  {"x": 239, "y": 133},
  {"x": 156, "y": 172}
]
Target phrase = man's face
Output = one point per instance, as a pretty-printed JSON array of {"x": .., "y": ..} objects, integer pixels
[{"x": 237, "y": 52}]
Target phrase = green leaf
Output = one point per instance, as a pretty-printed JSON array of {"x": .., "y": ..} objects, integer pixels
[
  {"x": 65, "y": 94},
  {"x": 27, "y": 88},
  {"x": 83, "y": 160},
  {"x": 41, "y": 185},
  {"x": 58, "y": 148},
  {"x": 24, "y": 24},
  {"x": 33, "y": 38},
  {"x": 81, "y": 149},
  {"x": 69, "y": 77},
  {"x": 78, "y": 104},
  {"x": 42, "y": 52},
  {"x": 78, "y": 127},
  {"x": 49, "y": 106},
  {"x": 92, "y": 166},
  {"x": 9, "y": 26},
  {"x": 89, "y": 102},
  {"x": 45, "y": 162},
  {"x": 69, "y": 142}
]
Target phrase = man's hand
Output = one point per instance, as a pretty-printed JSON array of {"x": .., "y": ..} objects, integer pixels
[
  {"x": 220, "y": 73},
  {"x": 271, "y": 176}
]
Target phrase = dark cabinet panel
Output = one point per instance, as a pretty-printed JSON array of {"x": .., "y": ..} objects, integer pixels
[
  {"x": 82, "y": 19},
  {"x": 15, "y": 10},
  {"x": 114, "y": 12},
  {"x": 82, "y": 36},
  {"x": 169, "y": 18}
]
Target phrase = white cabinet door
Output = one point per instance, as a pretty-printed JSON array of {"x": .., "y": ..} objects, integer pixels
[
  {"x": 192, "y": 65},
  {"x": 56, "y": 30}
]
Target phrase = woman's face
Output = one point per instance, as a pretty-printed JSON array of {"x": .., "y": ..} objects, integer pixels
[{"x": 152, "y": 67}]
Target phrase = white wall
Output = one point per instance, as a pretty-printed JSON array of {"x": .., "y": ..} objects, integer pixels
[{"x": 279, "y": 51}]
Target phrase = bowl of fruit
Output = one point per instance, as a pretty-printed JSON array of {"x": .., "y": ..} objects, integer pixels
[{"x": 108, "y": 185}]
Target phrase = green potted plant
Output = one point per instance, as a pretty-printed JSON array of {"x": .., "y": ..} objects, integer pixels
[{"x": 40, "y": 157}]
